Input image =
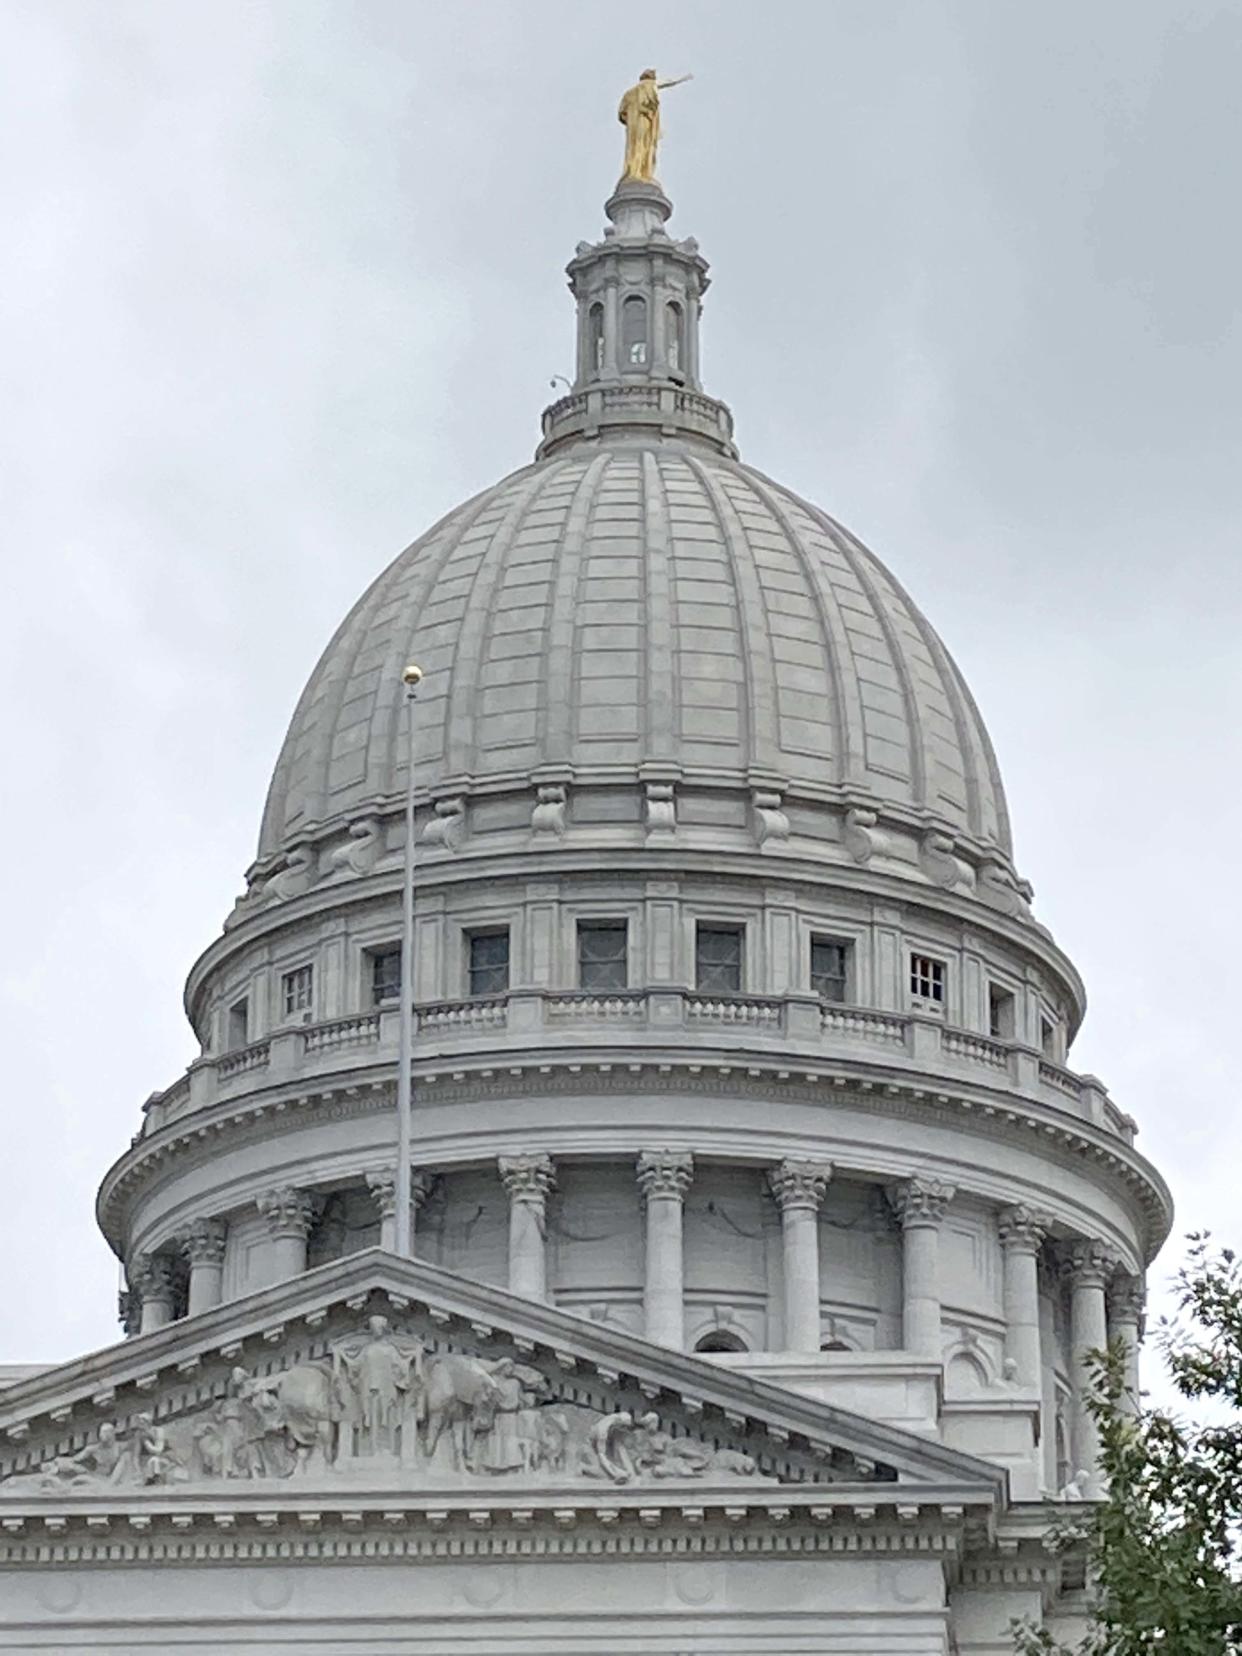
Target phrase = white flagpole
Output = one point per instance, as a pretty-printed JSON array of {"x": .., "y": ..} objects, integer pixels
[{"x": 411, "y": 678}]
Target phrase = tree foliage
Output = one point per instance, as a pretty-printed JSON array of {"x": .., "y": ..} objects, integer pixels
[{"x": 1163, "y": 1546}]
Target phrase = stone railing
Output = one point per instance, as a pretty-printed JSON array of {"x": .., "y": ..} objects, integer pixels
[
  {"x": 860, "y": 1023},
  {"x": 645, "y": 403},
  {"x": 364, "y": 1030},
  {"x": 733, "y": 1009},
  {"x": 464, "y": 1015},
  {"x": 249, "y": 1058},
  {"x": 1060, "y": 1080},
  {"x": 651, "y": 1019},
  {"x": 621, "y": 1007},
  {"x": 975, "y": 1049}
]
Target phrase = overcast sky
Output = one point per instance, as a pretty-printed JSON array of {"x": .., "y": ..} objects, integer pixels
[{"x": 283, "y": 282}]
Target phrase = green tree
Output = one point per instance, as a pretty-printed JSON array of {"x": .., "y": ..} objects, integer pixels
[{"x": 1163, "y": 1546}]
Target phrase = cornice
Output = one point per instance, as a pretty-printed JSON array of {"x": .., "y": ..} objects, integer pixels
[
  {"x": 266, "y": 1113},
  {"x": 539, "y": 1524}
]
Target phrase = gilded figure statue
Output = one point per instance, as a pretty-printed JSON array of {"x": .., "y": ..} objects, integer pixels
[{"x": 639, "y": 114}]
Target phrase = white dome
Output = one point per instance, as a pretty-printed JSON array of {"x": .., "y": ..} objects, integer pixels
[{"x": 632, "y": 602}]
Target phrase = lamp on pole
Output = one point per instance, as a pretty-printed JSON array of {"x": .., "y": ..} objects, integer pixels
[{"x": 411, "y": 678}]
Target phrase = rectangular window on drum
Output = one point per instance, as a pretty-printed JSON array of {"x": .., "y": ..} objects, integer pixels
[
  {"x": 718, "y": 960},
  {"x": 385, "y": 975},
  {"x": 488, "y": 969},
  {"x": 298, "y": 990},
  {"x": 927, "y": 979},
  {"x": 603, "y": 955},
  {"x": 830, "y": 962}
]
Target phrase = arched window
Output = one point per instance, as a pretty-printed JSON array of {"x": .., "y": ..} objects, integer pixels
[
  {"x": 720, "y": 1340},
  {"x": 675, "y": 337},
  {"x": 634, "y": 331},
  {"x": 595, "y": 339}
]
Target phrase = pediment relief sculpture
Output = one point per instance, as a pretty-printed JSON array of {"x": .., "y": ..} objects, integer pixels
[{"x": 389, "y": 1405}]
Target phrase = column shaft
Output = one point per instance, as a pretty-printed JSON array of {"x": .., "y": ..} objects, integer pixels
[
  {"x": 921, "y": 1205},
  {"x": 203, "y": 1245},
  {"x": 152, "y": 1278},
  {"x": 289, "y": 1214},
  {"x": 664, "y": 1177},
  {"x": 798, "y": 1188},
  {"x": 1021, "y": 1233},
  {"x": 528, "y": 1180},
  {"x": 1125, "y": 1323},
  {"x": 1089, "y": 1269}
]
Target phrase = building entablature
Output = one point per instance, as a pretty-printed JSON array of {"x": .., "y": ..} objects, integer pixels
[{"x": 467, "y": 1115}]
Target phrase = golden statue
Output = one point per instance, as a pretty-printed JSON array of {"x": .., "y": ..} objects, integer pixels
[{"x": 639, "y": 114}]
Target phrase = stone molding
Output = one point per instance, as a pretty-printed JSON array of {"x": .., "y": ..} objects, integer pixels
[
  {"x": 1022, "y": 1229},
  {"x": 665, "y": 1174},
  {"x": 921, "y": 1201},
  {"x": 799, "y": 1184},
  {"x": 152, "y": 1276},
  {"x": 1126, "y": 1298},
  {"x": 785, "y": 1523},
  {"x": 528, "y": 1179},
  {"x": 203, "y": 1243},
  {"x": 1088, "y": 1264},
  {"x": 260, "y": 1117},
  {"x": 289, "y": 1212},
  {"x": 382, "y": 1184}
]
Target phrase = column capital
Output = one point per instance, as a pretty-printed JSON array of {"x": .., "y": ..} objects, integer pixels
[
  {"x": 1126, "y": 1297},
  {"x": 528, "y": 1178},
  {"x": 289, "y": 1212},
  {"x": 799, "y": 1184},
  {"x": 921, "y": 1201},
  {"x": 203, "y": 1241},
  {"x": 665, "y": 1173},
  {"x": 1088, "y": 1263},
  {"x": 1022, "y": 1229},
  {"x": 382, "y": 1185},
  {"x": 151, "y": 1277}
]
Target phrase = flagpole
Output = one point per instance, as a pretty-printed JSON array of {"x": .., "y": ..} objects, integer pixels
[{"x": 411, "y": 678}]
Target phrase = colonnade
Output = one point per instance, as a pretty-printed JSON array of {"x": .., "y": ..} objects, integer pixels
[{"x": 1104, "y": 1303}]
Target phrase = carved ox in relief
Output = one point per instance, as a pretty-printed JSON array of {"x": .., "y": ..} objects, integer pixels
[{"x": 463, "y": 1396}]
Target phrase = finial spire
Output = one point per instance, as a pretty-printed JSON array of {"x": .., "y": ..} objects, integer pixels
[{"x": 639, "y": 296}]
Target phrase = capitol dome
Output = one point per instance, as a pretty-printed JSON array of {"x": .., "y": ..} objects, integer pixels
[
  {"x": 648, "y": 599},
  {"x": 734, "y": 1031}
]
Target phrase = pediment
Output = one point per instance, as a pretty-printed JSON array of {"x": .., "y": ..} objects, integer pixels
[{"x": 381, "y": 1376}]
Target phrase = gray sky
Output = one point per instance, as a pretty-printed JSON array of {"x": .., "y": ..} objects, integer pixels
[{"x": 282, "y": 282}]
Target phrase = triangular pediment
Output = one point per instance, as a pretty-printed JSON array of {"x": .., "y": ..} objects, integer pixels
[{"x": 385, "y": 1376}]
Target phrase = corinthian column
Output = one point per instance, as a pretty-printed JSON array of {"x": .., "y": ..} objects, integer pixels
[
  {"x": 290, "y": 1214},
  {"x": 1022, "y": 1231},
  {"x": 151, "y": 1276},
  {"x": 798, "y": 1187},
  {"x": 203, "y": 1247},
  {"x": 920, "y": 1205},
  {"x": 664, "y": 1177},
  {"x": 528, "y": 1179},
  {"x": 1088, "y": 1267},
  {"x": 382, "y": 1184},
  {"x": 1125, "y": 1300}
]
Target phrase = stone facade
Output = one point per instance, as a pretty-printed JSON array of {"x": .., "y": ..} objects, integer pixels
[{"x": 760, "y": 1227}]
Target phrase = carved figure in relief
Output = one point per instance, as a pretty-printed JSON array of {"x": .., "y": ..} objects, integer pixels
[
  {"x": 460, "y": 1397},
  {"x": 374, "y": 1374}
]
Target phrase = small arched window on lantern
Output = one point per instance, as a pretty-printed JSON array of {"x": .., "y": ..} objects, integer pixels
[
  {"x": 634, "y": 331},
  {"x": 595, "y": 339},
  {"x": 675, "y": 338}
]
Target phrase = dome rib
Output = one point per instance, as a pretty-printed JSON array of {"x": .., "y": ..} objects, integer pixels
[
  {"x": 561, "y": 652},
  {"x": 661, "y": 703}
]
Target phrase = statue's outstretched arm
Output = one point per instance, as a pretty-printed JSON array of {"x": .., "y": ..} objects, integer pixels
[{"x": 676, "y": 81}]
